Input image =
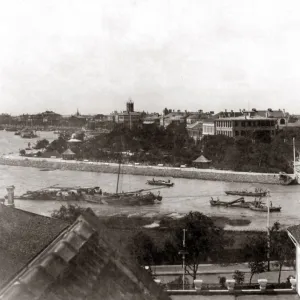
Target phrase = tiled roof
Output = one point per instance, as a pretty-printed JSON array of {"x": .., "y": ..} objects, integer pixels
[
  {"x": 68, "y": 152},
  {"x": 202, "y": 159},
  {"x": 83, "y": 263},
  {"x": 22, "y": 236},
  {"x": 210, "y": 120},
  {"x": 195, "y": 125}
]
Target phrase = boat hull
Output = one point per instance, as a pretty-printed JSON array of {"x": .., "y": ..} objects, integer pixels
[
  {"x": 160, "y": 183},
  {"x": 265, "y": 208},
  {"x": 246, "y": 194}
]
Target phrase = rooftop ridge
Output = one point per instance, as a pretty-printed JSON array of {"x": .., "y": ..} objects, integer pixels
[{"x": 44, "y": 269}]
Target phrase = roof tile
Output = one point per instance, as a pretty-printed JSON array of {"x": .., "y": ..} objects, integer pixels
[
  {"x": 53, "y": 264},
  {"x": 65, "y": 251},
  {"x": 37, "y": 280},
  {"x": 75, "y": 240},
  {"x": 84, "y": 230},
  {"x": 18, "y": 291}
]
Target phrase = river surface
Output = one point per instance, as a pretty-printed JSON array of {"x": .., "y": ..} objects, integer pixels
[{"x": 186, "y": 195}]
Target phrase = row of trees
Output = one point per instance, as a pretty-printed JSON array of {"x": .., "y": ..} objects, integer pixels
[
  {"x": 173, "y": 146},
  {"x": 246, "y": 154},
  {"x": 204, "y": 242}
]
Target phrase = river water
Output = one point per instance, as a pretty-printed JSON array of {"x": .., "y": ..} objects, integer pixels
[{"x": 186, "y": 195}]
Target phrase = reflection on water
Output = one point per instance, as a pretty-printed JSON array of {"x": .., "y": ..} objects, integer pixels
[{"x": 186, "y": 195}]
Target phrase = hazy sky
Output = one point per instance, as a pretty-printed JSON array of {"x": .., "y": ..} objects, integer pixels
[{"x": 182, "y": 54}]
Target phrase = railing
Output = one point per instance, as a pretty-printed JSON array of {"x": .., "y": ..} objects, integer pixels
[{"x": 217, "y": 286}]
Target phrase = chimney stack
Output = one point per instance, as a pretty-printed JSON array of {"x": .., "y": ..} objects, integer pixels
[{"x": 10, "y": 196}]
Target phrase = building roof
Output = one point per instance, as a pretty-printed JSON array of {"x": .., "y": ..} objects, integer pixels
[
  {"x": 295, "y": 232},
  {"x": 68, "y": 152},
  {"x": 74, "y": 141},
  {"x": 245, "y": 118},
  {"x": 83, "y": 263},
  {"x": 209, "y": 120},
  {"x": 271, "y": 113},
  {"x": 23, "y": 235},
  {"x": 175, "y": 113},
  {"x": 194, "y": 116},
  {"x": 125, "y": 113},
  {"x": 196, "y": 125},
  {"x": 228, "y": 114},
  {"x": 202, "y": 159}
]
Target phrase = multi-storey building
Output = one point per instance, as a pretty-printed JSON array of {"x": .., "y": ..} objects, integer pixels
[
  {"x": 208, "y": 127},
  {"x": 129, "y": 117},
  {"x": 280, "y": 115},
  {"x": 195, "y": 130},
  {"x": 173, "y": 118},
  {"x": 246, "y": 126}
]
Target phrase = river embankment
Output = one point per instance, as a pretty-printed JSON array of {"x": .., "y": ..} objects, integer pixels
[{"x": 137, "y": 169}]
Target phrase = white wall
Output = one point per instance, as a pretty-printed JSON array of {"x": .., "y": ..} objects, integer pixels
[{"x": 298, "y": 268}]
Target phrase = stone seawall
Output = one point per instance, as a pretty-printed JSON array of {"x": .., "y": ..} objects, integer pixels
[{"x": 189, "y": 173}]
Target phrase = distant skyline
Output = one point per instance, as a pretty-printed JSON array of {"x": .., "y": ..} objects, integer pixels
[{"x": 93, "y": 55}]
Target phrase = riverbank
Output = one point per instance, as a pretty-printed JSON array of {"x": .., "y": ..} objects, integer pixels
[{"x": 136, "y": 169}]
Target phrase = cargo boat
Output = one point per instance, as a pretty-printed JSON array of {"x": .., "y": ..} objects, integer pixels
[
  {"x": 160, "y": 182},
  {"x": 248, "y": 194}
]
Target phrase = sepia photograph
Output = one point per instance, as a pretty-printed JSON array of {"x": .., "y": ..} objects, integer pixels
[{"x": 149, "y": 150}]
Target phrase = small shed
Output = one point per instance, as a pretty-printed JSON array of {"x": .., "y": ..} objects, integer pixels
[
  {"x": 68, "y": 155},
  {"x": 202, "y": 162}
]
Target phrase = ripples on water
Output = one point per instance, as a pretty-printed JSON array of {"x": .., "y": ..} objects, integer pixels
[{"x": 186, "y": 195}]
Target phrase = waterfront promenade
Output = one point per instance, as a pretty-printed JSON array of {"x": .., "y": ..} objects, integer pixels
[{"x": 138, "y": 169}]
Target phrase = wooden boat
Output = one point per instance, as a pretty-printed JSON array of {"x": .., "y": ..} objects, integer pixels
[
  {"x": 240, "y": 202},
  {"x": 247, "y": 194},
  {"x": 160, "y": 182},
  {"x": 264, "y": 208},
  {"x": 124, "y": 199}
]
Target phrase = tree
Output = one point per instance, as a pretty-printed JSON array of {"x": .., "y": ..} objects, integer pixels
[
  {"x": 41, "y": 144},
  {"x": 68, "y": 213},
  {"x": 281, "y": 247},
  {"x": 256, "y": 254},
  {"x": 143, "y": 249},
  {"x": 256, "y": 267},
  {"x": 22, "y": 152},
  {"x": 239, "y": 277},
  {"x": 203, "y": 240}
]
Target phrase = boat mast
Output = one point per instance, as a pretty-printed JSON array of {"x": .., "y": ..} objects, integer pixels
[
  {"x": 294, "y": 153},
  {"x": 119, "y": 170},
  {"x": 268, "y": 232}
]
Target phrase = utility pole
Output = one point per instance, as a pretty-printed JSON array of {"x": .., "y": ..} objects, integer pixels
[
  {"x": 183, "y": 252},
  {"x": 294, "y": 153},
  {"x": 268, "y": 232}
]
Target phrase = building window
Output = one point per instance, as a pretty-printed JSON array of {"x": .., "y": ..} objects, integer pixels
[
  {"x": 236, "y": 123},
  {"x": 243, "y": 124},
  {"x": 282, "y": 122},
  {"x": 237, "y": 133},
  {"x": 242, "y": 133}
]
